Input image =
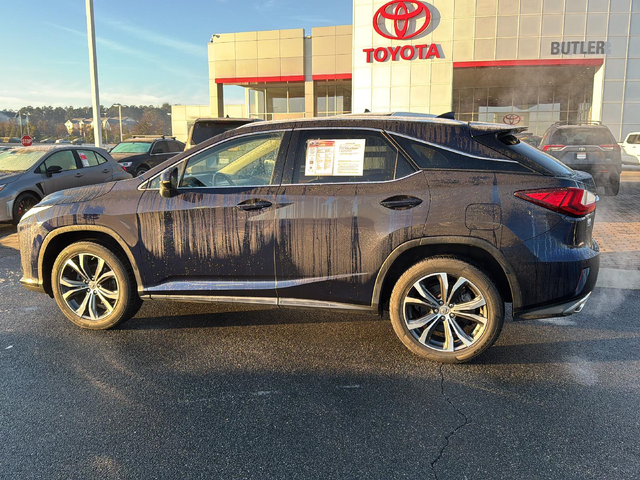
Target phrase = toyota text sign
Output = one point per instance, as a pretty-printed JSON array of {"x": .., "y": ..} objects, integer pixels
[{"x": 402, "y": 20}]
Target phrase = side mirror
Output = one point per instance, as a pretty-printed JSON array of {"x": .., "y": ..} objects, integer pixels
[
  {"x": 53, "y": 169},
  {"x": 169, "y": 183}
]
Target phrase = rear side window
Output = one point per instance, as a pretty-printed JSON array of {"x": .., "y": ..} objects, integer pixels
[
  {"x": 204, "y": 131},
  {"x": 511, "y": 147},
  {"x": 335, "y": 156},
  {"x": 582, "y": 136},
  {"x": 89, "y": 158},
  {"x": 634, "y": 139}
]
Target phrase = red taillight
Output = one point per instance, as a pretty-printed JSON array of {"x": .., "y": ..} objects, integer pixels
[
  {"x": 610, "y": 147},
  {"x": 568, "y": 201},
  {"x": 553, "y": 148}
]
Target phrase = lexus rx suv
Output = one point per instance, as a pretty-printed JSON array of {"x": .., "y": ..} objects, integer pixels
[
  {"x": 588, "y": 147},
  {"x": 438, "y": 221}
]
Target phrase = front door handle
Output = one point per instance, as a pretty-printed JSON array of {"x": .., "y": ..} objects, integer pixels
[
  {"x": 78, "y": 175},
  {"x": 253, "y": 205},
  {"x": 401, "y": 202}
]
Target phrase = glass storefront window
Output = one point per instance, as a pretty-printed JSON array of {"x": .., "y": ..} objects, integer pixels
[
  {"x": 277, "y": 101},
  {"x": 538, "y": 96},
  {"x": 333, "y": 98}
]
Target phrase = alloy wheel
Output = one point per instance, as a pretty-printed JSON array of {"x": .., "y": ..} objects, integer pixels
[
  {"x": 89, "y": 286},
  {"x": 25, "y": 205},
  {"x": 445, "y": 313}
]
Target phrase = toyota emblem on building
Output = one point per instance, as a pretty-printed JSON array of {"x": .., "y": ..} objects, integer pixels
[
  {"x": 512, "y": 119},
  {"x": 407, "y": 16}
]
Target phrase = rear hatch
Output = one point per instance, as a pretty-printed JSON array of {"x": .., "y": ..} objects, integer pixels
[{"x": 589, "y": 148}]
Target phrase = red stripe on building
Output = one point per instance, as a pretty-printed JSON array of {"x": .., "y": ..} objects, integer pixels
[
  {"x": 592, "y": 62},
  {"x": 290, "y": 78},
  {"x": 335, "y": 76}
]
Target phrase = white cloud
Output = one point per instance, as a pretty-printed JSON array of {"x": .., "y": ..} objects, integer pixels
[{"x": 159, "y": 39}]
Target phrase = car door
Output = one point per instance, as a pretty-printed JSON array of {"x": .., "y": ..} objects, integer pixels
[
  {"x": 216, "y": 236},
  {"x": 95, "y": 167},
  {"x": 69, "y": 176},
  {"x": 348, "y": 199},
  {"x": 632, "y": 145}
]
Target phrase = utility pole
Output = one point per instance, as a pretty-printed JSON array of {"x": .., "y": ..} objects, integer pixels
[
  {"x": 20, "y": 118},
  {"x": 95, "y": 95},
  {"x": 120, "y": 118}
]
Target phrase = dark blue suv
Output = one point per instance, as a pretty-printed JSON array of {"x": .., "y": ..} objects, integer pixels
[{"x": 439, "y": 221}]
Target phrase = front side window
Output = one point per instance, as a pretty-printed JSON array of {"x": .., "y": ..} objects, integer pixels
[
  {"x": 336, "y": 156},
  {"x": 65, "y": 160},
  {"x": 247, "y": 161}
]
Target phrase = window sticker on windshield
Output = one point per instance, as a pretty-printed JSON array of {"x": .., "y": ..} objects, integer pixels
[
  {"x": 338, "y": 158},
  {"x": 84, "y": 159}
]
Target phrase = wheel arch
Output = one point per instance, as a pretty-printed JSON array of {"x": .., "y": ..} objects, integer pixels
[
  {"x": 62, "y": 237},
  {"x": 474, "y": 250}
]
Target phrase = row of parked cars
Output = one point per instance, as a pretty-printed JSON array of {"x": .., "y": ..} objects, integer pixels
[{"x": 438, "y": 221}]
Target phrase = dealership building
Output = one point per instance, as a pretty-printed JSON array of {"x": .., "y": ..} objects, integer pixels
[{"x": 519, "y": 62}]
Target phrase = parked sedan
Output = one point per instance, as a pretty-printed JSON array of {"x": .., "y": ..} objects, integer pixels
[
  {"x": 28, "y": 174},
  {"x": 439, "y": 222}
]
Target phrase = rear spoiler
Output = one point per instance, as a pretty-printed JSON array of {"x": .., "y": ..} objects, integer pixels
[{"x": 478, "y": 129}]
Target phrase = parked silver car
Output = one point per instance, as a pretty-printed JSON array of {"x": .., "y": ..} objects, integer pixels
[{"x": 28, "y": 174}]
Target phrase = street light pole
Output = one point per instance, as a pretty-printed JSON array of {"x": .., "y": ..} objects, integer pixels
[{"x": 95, "y": 95}]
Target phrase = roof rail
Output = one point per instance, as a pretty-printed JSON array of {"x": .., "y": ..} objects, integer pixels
[
  {"x": 154, "y": 136},
  {"x": 588, "y": 122}
]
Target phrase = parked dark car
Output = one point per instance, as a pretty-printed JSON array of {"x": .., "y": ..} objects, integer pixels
[
  {"x": 27, "y": 174},
  {"x": 205, "y": 128},
  {"x": 588, "y": 147},
  {"x": 143, "y": 152},
  {"x": 439, "y": 221}
]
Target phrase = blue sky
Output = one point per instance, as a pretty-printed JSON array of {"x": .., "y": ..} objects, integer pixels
[{"x": 148, "y": 52}]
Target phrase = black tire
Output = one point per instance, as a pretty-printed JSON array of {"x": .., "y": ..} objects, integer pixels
[
  {"x": 478, "y": 285},
  {"x": 124, "y": 307},
  {"x": 141, "y": 170},
  {"x": 614, "y": 187},
  {"x": 22, "y": 205}
]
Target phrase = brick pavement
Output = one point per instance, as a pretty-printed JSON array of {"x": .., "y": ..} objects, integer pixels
[{"x": 617, "y": 227}]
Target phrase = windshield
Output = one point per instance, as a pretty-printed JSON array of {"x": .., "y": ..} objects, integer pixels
[
  {"x": 19, "y": 159},
  {"x": 132, "y": 147}
]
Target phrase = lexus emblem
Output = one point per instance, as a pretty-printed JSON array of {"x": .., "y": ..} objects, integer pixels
[{"x": 407, "y": 16}]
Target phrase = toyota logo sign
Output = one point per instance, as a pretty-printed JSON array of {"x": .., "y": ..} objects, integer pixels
[
  {"x": 512, "y": 119},
  {"x": 403, "y": 14}
]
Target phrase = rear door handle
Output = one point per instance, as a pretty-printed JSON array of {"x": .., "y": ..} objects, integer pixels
[
  {"x": 78, "y": 175},
  {"x": 254, "y": 204},
  {"x": 401, "y": 202},
  {"x": 106, "y": 170}
]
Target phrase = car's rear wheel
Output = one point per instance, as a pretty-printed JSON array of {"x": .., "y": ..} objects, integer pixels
[
  {"x": 22, "y": 205},
  {"x": 613, "y": 188},
  {"x": 94, "y": 287},
  {"x": 446, "y": 310}
]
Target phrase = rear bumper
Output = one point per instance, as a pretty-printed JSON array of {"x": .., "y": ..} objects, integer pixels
[{"x": 560, "y": 310}]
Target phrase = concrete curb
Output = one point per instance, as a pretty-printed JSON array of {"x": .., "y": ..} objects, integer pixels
[{"x": 619, "y": 279}]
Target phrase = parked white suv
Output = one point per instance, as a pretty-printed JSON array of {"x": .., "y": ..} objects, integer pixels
[{"x": 631, "y": 149}]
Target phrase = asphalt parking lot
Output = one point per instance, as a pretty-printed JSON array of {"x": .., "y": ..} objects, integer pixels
[{"x": 199, "y": 391}]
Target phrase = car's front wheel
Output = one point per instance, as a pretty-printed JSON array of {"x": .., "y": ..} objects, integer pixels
[
  {"x": 93, "y": 286},
  {"x": 446, "y": 310},
  {"x": 22, "y": 205},
  {"x": 141, "y": 171}
]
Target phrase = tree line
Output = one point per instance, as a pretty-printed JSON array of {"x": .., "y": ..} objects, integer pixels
[{"x": 48, "y": 122}]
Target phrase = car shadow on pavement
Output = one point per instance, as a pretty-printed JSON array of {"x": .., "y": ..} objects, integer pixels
[{"x": 184, "y": 315}]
